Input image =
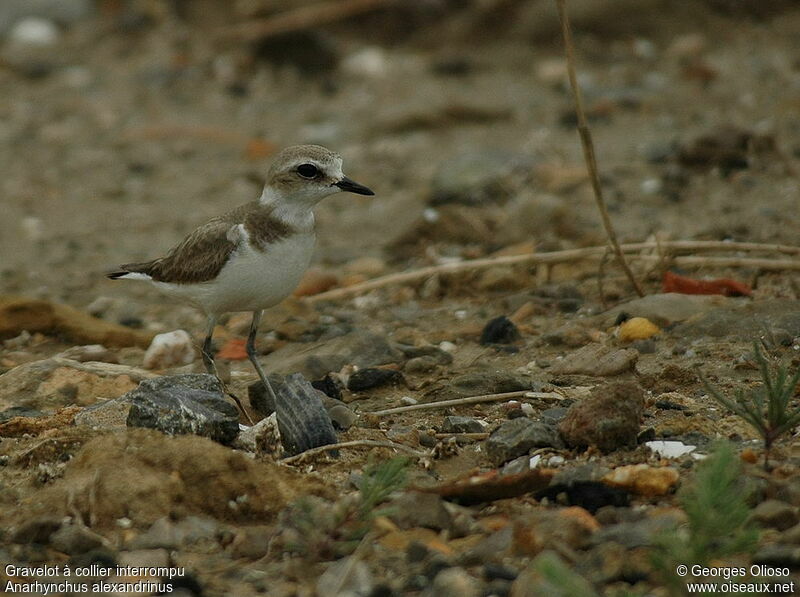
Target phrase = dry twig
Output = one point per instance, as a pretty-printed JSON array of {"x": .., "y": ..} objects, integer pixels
[
  {"x": 588, "y": 146},
  {"x": 356, "y": 443},
  {"x": 462, "y": 401},
  {"x": 584, "y": 254}
]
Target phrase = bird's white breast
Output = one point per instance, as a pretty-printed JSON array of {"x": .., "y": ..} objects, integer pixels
[{"x": 252, "y": 279}]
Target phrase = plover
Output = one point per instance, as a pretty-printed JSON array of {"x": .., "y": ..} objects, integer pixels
[{"x": 252, "y": 257}]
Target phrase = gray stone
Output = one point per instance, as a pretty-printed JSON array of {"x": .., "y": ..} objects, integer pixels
[
  {"x": 165, "y": 533},
  {"x": 743, "y": 320},
  {"x": 363, "y": 349},
  {"x": 596, "y": 360},
  {"x": 664, "y": 309},
  {"x": 372, "y": 377},
  {"x": 105, "y": 415},
  {"x": 417, "y": 509},
  {"x": 37, "y": 530},
  {"x": 64, "y": 12},
  {"x": 478, "y": 177},
  {"x": 73, "y": 539},
  {"x": 189, "y": 403},
  {"x": 262, "y": 438},
  {"x": 791, "y": 535},
  {"x": 422, "y": 364},
  {"x": 454, "y": 582},
  {"x": 348, "y": 577},
  {"x": 19, "y": 411},
  {"x": 553, "y": 416},
  {"x": 456, "y": 424},
  {"x": 342, "y": 417},
  {"x": 517, "y": 437},
  {"x": 778, "y": 555},
  {"x": 302, "y": 419},
  {"x": 486, "y": 382},
  {"x": 775, "y": 514}
]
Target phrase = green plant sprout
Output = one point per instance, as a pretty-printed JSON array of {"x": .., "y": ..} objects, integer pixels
[{"x": 767, "y": 408}]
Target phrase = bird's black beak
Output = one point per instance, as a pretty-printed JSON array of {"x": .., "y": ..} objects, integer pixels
[{"x": 352, "y": 186}]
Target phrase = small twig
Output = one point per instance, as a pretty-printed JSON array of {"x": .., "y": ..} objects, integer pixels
[
  {"x": 356, "y": 443},
  {"x": 477, "y": 436},
  {"x": 462, "y": 401},
  {"x": 563, "y": 257},
  {"x": 588, "y": 146},
  {"x": 300, "y": 19}
]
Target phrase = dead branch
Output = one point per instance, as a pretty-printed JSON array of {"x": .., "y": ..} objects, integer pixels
[
  {"x": 587, "y": 253},
  {"x": 462, "y": 401},
  {"x": 357, "y": 443},
  {"x": 588, "y": 147}
]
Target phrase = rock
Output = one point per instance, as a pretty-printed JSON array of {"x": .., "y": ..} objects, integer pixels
[
  {"x": 500, "y": 330},
  {"x": 73, "y": 539},
  {"x": 105, "y": 415},
  {"x": 19, "y": 411},
  {"x": 478, "y": 177},
  {"x": 642, "y": 479},
  {"x": 501, "y": 278},
  {"x": 171, "y": 349},
  {"x": 56, "y": 382},
  {"x": 35, "y": 32},
  {"x": 362, "y": 349},
  {"x": 251, "y": 542},
  {"x": 553, "y": 416},
  {"x": 364, "y": 379},
  {"x": 791, "y": 535},
  {"x": 348, "y": 577},
  {"x": 454, "y": 582},
  {"x": 597, "y": 360},
  {"x": 18, "y": 314},
  {"x": 589, "y": 495},
  {"x": 424, "y": 364},
  {"x": 262, "y": 438},
  {"x": 36, "y": 530},
  {"x": 726, "y": 147},
  {"x": 302, "y": 418},
  {"x": 90, "y": 352},
  {"x": 743, "y": 320},
  {"x": 609, "y": 419},
  {"x": 572, "y": 527},
  {"x": 638, "y": 533},
  {"x": 782, "y": 556},
  {"x": 146, "y": 475},
  {"x": 663, "y": 309},
  {"x": 517, "y": 437},
  {"x": 166, "y": 533},
  {"x": 328, "y": 385},
  {"x": 188, "y": 403},
  {"x": 637, "y": 328},
  {"x": 144, "y": 558},
  {"x": 488, "y": 381},
  {"x": 573, "y": 335},
  {"x": 456, "y": 424},
  {"x": 59, "y": 11},
  {"x": 535, "y": 579},
  {"x": 775, "y": 514},
  {"x": 416, "y": 509}
]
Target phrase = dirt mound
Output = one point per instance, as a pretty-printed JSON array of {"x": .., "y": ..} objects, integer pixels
[{"x": 143, "y": 475}]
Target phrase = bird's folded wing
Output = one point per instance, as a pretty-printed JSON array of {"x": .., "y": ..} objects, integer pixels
[{"x": 198, "y": 258}]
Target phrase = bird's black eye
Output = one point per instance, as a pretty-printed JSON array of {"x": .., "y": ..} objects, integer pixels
[{"x": 307, "y": 170}]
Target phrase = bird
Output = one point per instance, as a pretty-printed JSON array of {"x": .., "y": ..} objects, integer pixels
[{"x": 253, "y": 256}]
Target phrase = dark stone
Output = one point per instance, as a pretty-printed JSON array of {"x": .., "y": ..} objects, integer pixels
[
  {"x": 329, "y": 386},
  {"x": 19, "y": 411},
  {"x": 456, "y": 424},
  {"x": 416, "y": 509},
  {"x": 779, "y": 556},
  {"x": 775, "y": 514},
  {"x": 589, "y": 495},
  {"x": 493, "y": 571},
  {"x": 552, "y": 416},
  {"x": 479, "y": 177},
  {"x": 364, "y": 379},
  {"x": 416, "y": 552},
  {"x": 260, "y": 400},
  {"x": 309, "y": 51},
  {"x": 302, "y": 419},
  {"x": 500, "y": 330},
  {"x": 646, "y": 435},
  {"x": 72, "y": 539},
  {"x": 517, "y": 437},
  {"x": 647, "y": 346},
  {"x": 37, "y": 530},
  {"x": 189, "y": 403}
]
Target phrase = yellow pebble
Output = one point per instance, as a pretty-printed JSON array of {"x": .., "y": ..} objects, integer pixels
[{"x": 637, "y": 328}]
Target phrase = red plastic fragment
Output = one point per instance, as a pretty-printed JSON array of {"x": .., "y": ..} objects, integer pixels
[{"x": 725, "y": 286}]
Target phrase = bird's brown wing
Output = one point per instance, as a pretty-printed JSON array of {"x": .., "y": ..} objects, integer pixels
[{"x": 198, "y": 258}]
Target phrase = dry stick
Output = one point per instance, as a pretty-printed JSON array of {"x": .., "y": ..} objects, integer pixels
[
  {"x": 588, "y": 146},
  {"x": 478, "y": 436},
  {"x": 460, "y": 401},
  {"x": 300, "y": 19},
  {"x": 550, "y": 258},
  {"x": 356, "y": 443}
]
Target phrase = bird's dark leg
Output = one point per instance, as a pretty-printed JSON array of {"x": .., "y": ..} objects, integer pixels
[
  {"x": 211, "y": 367},
  {"x": 207, "y": 350},
  {"x": 253, "y": 356}
]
